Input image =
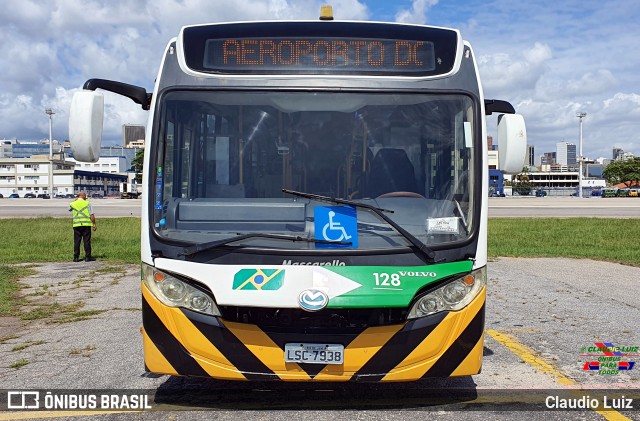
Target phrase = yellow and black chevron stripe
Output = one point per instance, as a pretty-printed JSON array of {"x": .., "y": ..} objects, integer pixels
[{"x": 183, "y": 342}]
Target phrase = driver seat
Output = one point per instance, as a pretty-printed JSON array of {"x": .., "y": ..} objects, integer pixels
[{"x": 391, "y": 171}]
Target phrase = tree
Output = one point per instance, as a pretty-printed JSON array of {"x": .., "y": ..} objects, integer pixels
[
  {"x": 521, "y": 184},
  {"x": 627, "y": 172},
  {"x": 137, "y": 165}
]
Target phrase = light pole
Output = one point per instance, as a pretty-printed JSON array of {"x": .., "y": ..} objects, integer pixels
[
  {"x": 580, "y": 115},
  {"x": 50, "y": 113}
]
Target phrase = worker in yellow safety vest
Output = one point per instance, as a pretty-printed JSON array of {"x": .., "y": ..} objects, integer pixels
[{"x": 83, "y": 222}]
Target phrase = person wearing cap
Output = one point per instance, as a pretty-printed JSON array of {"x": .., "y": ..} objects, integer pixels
[{"x": 83, "y": 222}]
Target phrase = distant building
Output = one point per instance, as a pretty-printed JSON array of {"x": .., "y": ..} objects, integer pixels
[
  {"x": 549, "y": 158},
  {"x": 132, "y": 135},
  {"x": 492, "y": 159},
  {"x": 98, "y": 183},
  {"x": 563, "y": 183},
  {"x": 26, "y": 149},
  {"x": 617, "y": 154},
  {"x": 24, "y": 168},
  {"x": 594, "y": 170},
  {"x": 531, "y": 156},
  {"x": 496, "y": 183},
  {"x": 105, "y": 164},
  {"x": 5, "y": 148},
  {"x": 136, "y": 144},
  {"x": 566, "y": 153},
  {"x": 31, "y": 175},
  {"x": 620, "y": 155},
  {"x": 627, "y": 155},
  {"x": 112, "y": 151}
]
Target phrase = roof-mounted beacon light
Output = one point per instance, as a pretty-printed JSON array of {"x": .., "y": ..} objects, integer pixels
[{"x": 326, "y": 13}]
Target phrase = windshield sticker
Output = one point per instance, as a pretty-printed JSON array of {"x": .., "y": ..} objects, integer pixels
[
  {"x": 468, "y": 137},
  {"x": 158, "y": 203},
  {"x": 336, "y": 223},
  {"x": 450, "y": 225}
]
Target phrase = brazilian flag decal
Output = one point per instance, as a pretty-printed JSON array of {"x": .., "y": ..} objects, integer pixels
[{"x": 258, "y": 279}]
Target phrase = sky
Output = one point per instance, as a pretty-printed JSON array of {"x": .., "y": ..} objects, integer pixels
[{"x": 551, "y": 59}]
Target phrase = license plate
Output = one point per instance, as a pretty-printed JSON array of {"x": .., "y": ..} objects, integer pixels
[{"x": 314, "y": 353}]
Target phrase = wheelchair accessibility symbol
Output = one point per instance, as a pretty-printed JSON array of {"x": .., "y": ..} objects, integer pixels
[{"x": 336, "y": 223}]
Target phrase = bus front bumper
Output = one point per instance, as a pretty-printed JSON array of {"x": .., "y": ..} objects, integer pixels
[{"x": 185, "y": 343}]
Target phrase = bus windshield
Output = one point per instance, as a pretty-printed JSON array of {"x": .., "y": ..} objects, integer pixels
[{"x": 224, "y": 158}]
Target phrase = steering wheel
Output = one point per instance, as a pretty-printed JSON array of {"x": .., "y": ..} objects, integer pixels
[{"x": 401, "y": 194}]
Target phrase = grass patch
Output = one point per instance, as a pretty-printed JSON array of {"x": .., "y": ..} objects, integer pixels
[
  {"x": 58, "y": 313},
  {"x": 9, "y": 286},
  {"x": 77, "y": 316},
  {"x": 109, "y": 269},
  {"x": 85, "y": 352},
  {"x": 613, "y": 240},
  {"x": 117, "y": 240},
  {"x": 41, "y": 312},
  {"x": 6, "y": 338},
  {"x": 26, "y": 345},
  {"x": 20, "y": 363}
]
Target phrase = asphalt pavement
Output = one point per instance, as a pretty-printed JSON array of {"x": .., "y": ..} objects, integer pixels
[
  {"x": 512, "y": 206},
  {"x": 542, "y": 316},
  {"x": 82, "y": 332}
]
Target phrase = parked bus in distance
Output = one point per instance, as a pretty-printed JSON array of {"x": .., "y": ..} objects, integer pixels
[
  {"x": 315, "y": 200},
  {"x": 609, "y": 192}
]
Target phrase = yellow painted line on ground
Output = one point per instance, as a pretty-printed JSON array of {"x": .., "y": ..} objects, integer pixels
[
  {"x": 529, "y": 356},
  {"x": 30, "y": 415}
]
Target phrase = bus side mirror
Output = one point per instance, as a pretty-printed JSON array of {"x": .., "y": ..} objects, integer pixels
[
  {"x": 512, "y": 143},
  {"x": 85, "y": 125}
]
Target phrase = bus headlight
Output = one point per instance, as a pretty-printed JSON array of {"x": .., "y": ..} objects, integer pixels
[
  {"x": 173, "y": 289},
  {"x": 174, "y": 292},
  {"x": 452, "y": 296}
]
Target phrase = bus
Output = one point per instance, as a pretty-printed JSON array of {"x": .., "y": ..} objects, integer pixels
[{"x": 314, "y": 202}]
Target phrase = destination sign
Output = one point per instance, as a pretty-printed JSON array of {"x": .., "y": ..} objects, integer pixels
[
  {"x": 319, "y": 48},
  {"x": 317, "y": 55}
]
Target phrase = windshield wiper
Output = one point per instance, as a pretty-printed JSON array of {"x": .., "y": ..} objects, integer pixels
[
  {"x": 424, "y": 249},
  {"x": 462, "y": 218},
  {"x": 188, "y": 251},
  {"x": 334, "y": 200}
]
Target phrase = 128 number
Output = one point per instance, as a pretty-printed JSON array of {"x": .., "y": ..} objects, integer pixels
[{"x": 386, "y": 280}]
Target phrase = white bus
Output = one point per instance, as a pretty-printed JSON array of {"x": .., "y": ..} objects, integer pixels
[{"x": 315, "y": 200}]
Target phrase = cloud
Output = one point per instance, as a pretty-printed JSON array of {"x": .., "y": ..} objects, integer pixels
[
  {"x": 550, "y": 59},
  {"x": 56, "y": 46},
  {"x": 611, "y": 121},
  {"x": 503, "y": 74},
  {"x": 417, "y": 13},
  {"x": 589, "y": 84}
]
